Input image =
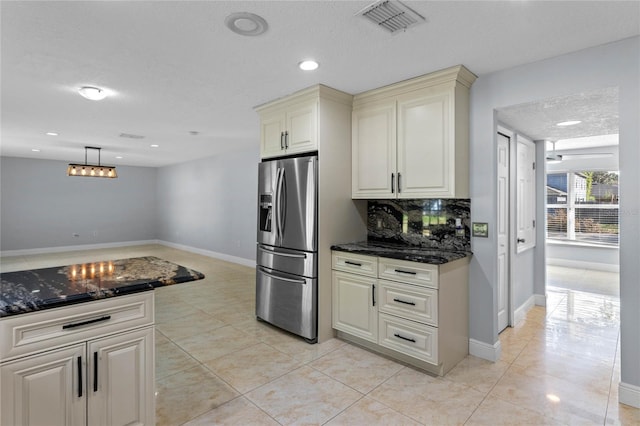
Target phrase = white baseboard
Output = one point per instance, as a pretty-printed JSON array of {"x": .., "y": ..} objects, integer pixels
[
  {"x": 521, "y": 312},
  {"x": 484, "y": 350},
  {"x": 579, "y": 264},
  {"x": 209, "y": 253},
  {"x": 629, "y": 394},
  {"x": 60, "y": 249},
  {"x": 540, "y": 300}
]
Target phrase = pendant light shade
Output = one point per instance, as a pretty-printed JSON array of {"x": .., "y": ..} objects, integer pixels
[{"x": 91, "y": 170}]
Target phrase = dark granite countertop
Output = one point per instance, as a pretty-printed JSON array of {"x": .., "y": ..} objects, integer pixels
[
  {"x": 402, "y": 252},
  {"x": 37, "y": 289}
]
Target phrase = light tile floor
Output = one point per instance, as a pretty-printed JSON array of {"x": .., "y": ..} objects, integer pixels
[{"x": 215, "y": 364}]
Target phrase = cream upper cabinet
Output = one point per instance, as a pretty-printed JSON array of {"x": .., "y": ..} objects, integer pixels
[
  {"x": 289, "y": 127},
  {"x": 373, "y": 148},
  {"x": 411, "y": 139}
]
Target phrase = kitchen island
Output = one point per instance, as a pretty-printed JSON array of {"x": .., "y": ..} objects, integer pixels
[{"x": 77, "y": 342}]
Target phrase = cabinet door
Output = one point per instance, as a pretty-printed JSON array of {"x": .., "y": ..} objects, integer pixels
[
  {"x": 121, "y": 379},
  {"x": 302, "y": 128},
  {"x": 46, "y": 389},
  {"x": 426, "y": 153},
  {"x": 373, "y": 156},
  {"x": 354, "y": 305},
  {"x": 272, "y": 126}
]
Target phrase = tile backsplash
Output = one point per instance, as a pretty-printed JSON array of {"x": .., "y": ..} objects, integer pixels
[{"x": 427, "y": 223}]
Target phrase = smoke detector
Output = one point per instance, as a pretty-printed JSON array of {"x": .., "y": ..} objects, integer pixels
[{"x": 391, "y": 15}]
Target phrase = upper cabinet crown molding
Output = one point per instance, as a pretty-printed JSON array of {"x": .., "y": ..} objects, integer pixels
[
  {"x": 411, "y": 139},
  {"x": 448, "y": 77},
  {"x": 290, "y": 125}
]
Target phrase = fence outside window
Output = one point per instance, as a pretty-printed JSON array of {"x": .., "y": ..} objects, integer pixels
[{"x": 583, "y": 206}]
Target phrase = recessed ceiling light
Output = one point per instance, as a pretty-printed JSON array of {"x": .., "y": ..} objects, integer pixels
[
  {"x": 569, "y": 123},
  {"x": 35, "y": 150},
  {"x": 245, "y": 23},
  {"x": 154, "y": 146},
  {"x": 92, "y": 93},
  {"x": 308, "y": 65},
  {"x": 119, "y": 157},
  {"x": 51, "y": 134}
]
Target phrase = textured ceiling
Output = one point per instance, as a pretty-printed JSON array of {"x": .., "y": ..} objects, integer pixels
[
  {"x": 597, "y": 110},
  {"x": 174, "y": 68}
]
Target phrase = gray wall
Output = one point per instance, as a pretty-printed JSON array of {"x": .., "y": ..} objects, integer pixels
[
  {"x": 210, "y": 204},
  {"x": 42, "y": 207},
  {"x": 615, "y": 64}
]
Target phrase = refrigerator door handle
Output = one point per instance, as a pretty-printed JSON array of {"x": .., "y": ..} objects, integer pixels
[
  {"x": 275, "y": 277},
  {"x": 282, "y": 203},
  {"x": 277, "y": 253},
  {"x": 276, "y": 206}
]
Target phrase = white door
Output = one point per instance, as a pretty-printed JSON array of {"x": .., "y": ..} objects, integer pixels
[
  {"x": 525, "y": 194},
  {"x": 121, "y": 379},
  {"x": 503, "y": 231}
]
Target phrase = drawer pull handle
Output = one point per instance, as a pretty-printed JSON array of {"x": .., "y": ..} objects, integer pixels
[
  {"x": 405, "y": 302},
  {"x": 95, "y": 371},
  {"x": 79, "y": 377},
  {"x": 91, "y": 321},
  {"x": 404, "y": 338},
  {"x": 400, "y": 271},
  {"x": 348, "y": 262},
  {"x": 373, "y": 294}
]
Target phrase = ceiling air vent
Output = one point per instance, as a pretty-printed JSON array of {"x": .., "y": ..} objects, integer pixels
[{"x": 391, "y": 15}]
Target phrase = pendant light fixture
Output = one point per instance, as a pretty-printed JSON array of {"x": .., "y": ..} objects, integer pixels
[{"x": 91, "y": 170}]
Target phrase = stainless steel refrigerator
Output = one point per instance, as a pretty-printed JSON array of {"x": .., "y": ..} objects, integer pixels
[{"x": 287, "y": 252}]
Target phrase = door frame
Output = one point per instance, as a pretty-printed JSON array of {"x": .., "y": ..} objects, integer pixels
[{"x": 511, "y": 250}]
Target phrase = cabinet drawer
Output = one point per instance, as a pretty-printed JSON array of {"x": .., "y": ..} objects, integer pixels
[
  {"x": 416, "y": 273},
  {"x": 52, "y": 328},
  {"x": 354, "y": 263},
  {"x": 411, "y": 338},
  {"x": 409, "y": 301}
]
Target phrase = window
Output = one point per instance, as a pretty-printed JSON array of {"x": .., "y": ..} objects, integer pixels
[{"x": 583, "y": 206}]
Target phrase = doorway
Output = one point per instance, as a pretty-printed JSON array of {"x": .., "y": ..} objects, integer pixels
[{"x": 540, "y": 120}]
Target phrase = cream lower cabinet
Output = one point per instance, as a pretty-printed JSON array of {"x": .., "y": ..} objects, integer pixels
[
  {"x": 354, "y": 292},
  {"x": 354, "y": 305},
  {"x": 102, "y": 381},
  {"x": 421, "y": 310}
]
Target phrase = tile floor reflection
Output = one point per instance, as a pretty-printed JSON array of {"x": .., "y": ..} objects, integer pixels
[{"x": 215, "y": 364}]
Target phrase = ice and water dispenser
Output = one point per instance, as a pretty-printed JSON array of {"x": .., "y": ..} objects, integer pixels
[{"x": 266, "y": 212}]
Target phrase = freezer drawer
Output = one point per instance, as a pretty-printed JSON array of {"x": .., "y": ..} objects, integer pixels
[
  {"x": 288, "y": 301},
  {"x": 290, "y": 261}
]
